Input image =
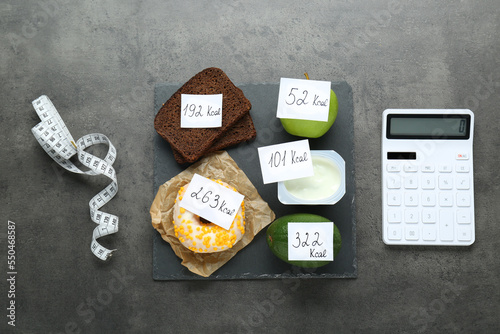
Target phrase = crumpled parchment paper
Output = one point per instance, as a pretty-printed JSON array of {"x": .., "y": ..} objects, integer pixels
[{"x": 217, "y": 165}]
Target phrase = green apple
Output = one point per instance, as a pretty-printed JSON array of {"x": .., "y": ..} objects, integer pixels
[{"x": 312, "y": 129}]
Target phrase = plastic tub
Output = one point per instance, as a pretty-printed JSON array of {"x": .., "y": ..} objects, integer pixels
[{"x": 326, "y": 187}]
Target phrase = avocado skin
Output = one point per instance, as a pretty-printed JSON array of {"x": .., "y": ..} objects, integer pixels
[{"x": 277, "y": 238}]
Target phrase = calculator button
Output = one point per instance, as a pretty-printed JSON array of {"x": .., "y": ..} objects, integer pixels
[
  {"x": 430, "y": 201},
  {"x": 446, "y": 199},
  {"x": 393, "y": 198},
  {"x": 411, "y": 216},
  {"x": 444, "y": 168},
  {"x": 411, "y": 199},
  {"x": 428, "y": 216},
  {"x": 411, "y": 233},
  {"x": 429, "y": 233},
  {"x": 394, "y": 216},
  {"x": 445, "y": 182},
  {"x": 462, "y": 168},
  {"x": 392, "y": 167},
  {"x": 394, "y": 232},
  {"x": 428, "y": 168},
  {"x": 411, "y": 182},
  {"x": 428, "y": 198},
  {"x": 464, "y": 233},
  {"x": 410, "y": 168},
  {"x": 463, "y": 216},
  {"x": 446, "y": 225},
  {"x": 428, "y": 182},
  {"x": 463, "y": 182},
  {"x": 393, "y": 181},
  {"x": 463, "y": 198}
]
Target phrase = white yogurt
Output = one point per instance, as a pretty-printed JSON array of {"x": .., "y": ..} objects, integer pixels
[
  {"x": 326, "y": 187},
  {"x": 324, "y": 183}
]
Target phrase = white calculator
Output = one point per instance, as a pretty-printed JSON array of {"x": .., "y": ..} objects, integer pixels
[{"x": 427, "y": 177}]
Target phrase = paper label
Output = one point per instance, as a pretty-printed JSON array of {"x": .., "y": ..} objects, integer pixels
[
  {"x": 201, "y": 111},
  {"x": 310, "y": 241},
  {"x": 285, "y": 161},
  {"x": 53, "y": 135},
  {"x": 304, "y": 99},
  {"x": 212, "y": 201}
]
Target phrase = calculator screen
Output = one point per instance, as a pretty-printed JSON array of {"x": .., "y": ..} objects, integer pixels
[{"x": 435, "y": 126}]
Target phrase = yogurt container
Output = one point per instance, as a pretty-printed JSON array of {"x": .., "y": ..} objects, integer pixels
[{"x": 326, "y": 186}]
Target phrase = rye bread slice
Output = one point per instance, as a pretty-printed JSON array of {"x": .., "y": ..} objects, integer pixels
[
  {"x": 242, "y": 131},
  {"x": 192, "y": 143}
]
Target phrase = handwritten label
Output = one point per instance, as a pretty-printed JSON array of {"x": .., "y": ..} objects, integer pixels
[
  {"x": 201, "y": 111},
  {"x": 285, "y": 161},
  {"x": 304, "y": 99},
  {"x": 310, "y": 241},
  {"x": 212, "y": 201}
]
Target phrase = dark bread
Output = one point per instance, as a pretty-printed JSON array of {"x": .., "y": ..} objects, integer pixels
[
  {"x": 242, "y": 131},
  {"x": 192, "y": 143}
]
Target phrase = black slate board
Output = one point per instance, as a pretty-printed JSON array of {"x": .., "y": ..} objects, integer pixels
[{"x": 256, "y": 260}]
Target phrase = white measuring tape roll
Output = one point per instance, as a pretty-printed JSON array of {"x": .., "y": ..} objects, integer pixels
[{"x": 54, "y": 137}]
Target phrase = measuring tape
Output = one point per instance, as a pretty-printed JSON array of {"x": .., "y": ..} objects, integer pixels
[{"x": 54, "y": 137}]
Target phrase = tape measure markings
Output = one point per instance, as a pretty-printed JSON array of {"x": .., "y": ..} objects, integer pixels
[{"x": 55, "y": 138}]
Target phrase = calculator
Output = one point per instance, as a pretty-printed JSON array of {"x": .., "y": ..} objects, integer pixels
[{"x": 427, "y": 177}]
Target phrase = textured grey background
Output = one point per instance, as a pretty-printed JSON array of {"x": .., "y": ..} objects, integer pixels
[{"x": 99, "y": 63}]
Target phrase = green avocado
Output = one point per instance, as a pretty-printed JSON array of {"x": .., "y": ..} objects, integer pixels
[{"x": 277, "y": 238}]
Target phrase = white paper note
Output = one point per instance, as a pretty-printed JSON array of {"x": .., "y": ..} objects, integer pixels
[
  {"x": 310, "y": 241},
  {"x": 285, "y": 161},
  {"x": 201, "y": 111},
  {"x": 304, "y": 99},
  {"x": 212, "y": 201}
]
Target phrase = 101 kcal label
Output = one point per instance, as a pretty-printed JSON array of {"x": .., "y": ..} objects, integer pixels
[{"x": 285, "y": 161}]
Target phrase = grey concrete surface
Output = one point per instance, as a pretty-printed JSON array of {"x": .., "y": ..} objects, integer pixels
[{"x": 99, "y": 61}]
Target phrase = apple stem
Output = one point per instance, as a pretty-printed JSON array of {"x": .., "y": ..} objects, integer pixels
[{"x": 307, "y": 76}]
